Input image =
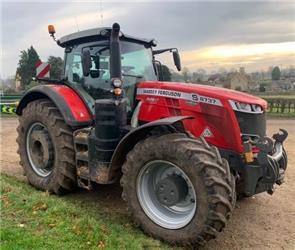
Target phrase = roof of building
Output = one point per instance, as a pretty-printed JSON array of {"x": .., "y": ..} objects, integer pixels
[
  {"x": 214, "y": 77},
  {"x": 231, "y": 75},
  {"x": 94, "y": 35}
]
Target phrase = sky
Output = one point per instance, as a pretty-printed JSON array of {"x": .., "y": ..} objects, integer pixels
[{"x": 209, "y": 35}]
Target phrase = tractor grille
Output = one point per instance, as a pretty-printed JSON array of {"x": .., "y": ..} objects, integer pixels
[{"x": 252, "y": 124}]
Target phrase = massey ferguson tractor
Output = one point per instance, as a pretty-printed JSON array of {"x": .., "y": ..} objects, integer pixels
[{"x": 182, "y": 152}]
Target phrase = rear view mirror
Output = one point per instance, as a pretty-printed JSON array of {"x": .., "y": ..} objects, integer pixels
[
  {"x": 96, "y": 60},
  {"x": 94, "y": 73},
  {"x": 86, "y": 62},
  {"x": 176, "y": 59}
]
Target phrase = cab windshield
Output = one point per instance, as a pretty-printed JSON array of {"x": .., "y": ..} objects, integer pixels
[{"x": 136, "y": 61}]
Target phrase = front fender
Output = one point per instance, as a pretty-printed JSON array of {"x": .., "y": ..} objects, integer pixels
[
  {"x": 134, "y": 136},
  {"x": 73, "y": 109}
]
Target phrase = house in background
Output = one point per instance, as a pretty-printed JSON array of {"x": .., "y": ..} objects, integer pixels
[
  {"x": 17, "y": 82},
  {"x": 215, "y": 80},
  {"x": 282, "y": 85},
  {"x": 238, "y": 80},
  {"x": 234, "y": 80}
]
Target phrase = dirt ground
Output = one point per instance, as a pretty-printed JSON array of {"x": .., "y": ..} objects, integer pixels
[{"x": 260, "y": 222}]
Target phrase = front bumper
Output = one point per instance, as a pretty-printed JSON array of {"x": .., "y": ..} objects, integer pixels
[{"x": 270, "y": 167}]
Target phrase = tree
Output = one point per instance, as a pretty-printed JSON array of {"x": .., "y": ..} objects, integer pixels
[
  {"x": 27, "y": 65},
  {"x": 269, "y": 71},
  {"x": 202, "y": 74},
  {"x": 222, "y": 71},
  {"x": 56, "y": 67},
  {"x": 276, "y": 73},
  {"x": 261, "y": 88},
  {"x": 291, "y": 71},
  {"x": 233, "y": 70},
  {"x": 164, "y": 73},
  {"x": 185, "y": 74},
  {"x": 176, "y": 77},
  {"x": 198, "y": 76}
]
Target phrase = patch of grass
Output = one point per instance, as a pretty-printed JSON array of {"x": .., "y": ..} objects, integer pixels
[{"x": 32, "y": 219}]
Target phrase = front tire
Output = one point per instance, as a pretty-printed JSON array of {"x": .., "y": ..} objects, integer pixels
[
  {"x": 46, "y": 147},
  {"x": 189, "y": 168}
]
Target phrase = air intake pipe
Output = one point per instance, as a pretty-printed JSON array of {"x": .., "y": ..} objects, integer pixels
[
  {"x": 115, "y": 55},
  {"x": 110, "y": 114}
]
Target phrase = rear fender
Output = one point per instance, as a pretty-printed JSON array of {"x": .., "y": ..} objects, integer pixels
[
  {"x": 72, "y": 107},
  {"x": 136, "y": 135}
]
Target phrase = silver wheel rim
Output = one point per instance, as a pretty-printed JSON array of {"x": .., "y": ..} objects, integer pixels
[
  {"x": 170, "y": 217},
  {"x": 33, "y": 145}
]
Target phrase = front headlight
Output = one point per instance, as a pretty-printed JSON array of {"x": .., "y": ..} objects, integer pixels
[
  {"x": 243, "y": 106},
  {"x": 117, "y": 82},
  {"x": 246, "y": 107},
  {"x": 257, "y": 108}
]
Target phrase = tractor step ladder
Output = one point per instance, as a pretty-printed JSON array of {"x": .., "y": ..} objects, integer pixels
[{"x": 82, "y": 163}]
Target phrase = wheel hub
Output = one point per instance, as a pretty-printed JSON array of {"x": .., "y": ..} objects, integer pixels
[
  {"x": 40, "y": 149},
  {"x": 166, "y": 194},
  {"x": 41, "y": 153},
  {"x": 171, "y": 190}
]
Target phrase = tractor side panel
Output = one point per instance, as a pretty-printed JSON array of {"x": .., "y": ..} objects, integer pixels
[
  {"x": 216, "y": 123},
  {"x": 70, "y": 104}
]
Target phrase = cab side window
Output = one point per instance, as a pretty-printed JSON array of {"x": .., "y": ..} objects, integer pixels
[
  {"x": 77, "y": 73},
  {"x": 99, "y": 77},
  {"x": 73, "y": 68},
  {"x": 97, "y": 83}
]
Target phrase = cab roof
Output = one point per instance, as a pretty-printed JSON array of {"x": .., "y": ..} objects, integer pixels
[{"x": 97, "y": 34}]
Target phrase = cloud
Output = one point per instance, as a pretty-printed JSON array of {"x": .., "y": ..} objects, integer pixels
[
  {"x": 248, "y": 55},
  {"x": 26, "y": 30},
  {"x": 190, "y": 26}
]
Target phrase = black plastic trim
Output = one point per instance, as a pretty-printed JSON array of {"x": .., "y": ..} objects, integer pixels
[{"x": 137, "y": 134}]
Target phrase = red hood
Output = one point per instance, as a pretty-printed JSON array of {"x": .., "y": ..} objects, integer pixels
[{"x": 216, "y": 92}]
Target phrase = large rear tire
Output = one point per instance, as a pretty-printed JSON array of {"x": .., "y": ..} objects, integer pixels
[
  {"x": 194, "y": 171},
  {"x": 46, "y": 147}
]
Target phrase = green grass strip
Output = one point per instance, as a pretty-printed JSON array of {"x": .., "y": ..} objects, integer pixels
[{"x": 32, "y": 219}]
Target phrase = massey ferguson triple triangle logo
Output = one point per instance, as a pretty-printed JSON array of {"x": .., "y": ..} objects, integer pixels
[{"x": 179, "y": 95}]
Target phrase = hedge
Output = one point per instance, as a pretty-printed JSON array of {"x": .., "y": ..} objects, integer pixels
[{"x": 281, "y": 104}]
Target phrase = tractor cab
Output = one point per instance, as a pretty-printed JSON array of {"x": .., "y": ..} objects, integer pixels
[
  {"x": 88, "y": 56},
  {"x": 103, "y": 66}
]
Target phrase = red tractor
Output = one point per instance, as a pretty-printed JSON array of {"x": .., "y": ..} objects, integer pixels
[{"x": 182, "y": 152}]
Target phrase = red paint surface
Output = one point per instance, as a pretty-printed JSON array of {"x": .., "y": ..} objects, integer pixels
[
  {"x": 220, "y": 120},
  {"x": 74, "y": 102}
]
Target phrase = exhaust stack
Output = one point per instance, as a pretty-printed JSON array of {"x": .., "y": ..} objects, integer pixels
[
  {"x": 110, "y": 114},
  {"x": 115, "y": 57}
]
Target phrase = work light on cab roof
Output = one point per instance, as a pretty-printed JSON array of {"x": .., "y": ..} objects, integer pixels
[{"x": 51, "y": 31}]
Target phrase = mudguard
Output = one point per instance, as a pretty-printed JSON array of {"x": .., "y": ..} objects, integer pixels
[
  {"x": 70, "y": 104},
  {"x": 134, "y": 136}
]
